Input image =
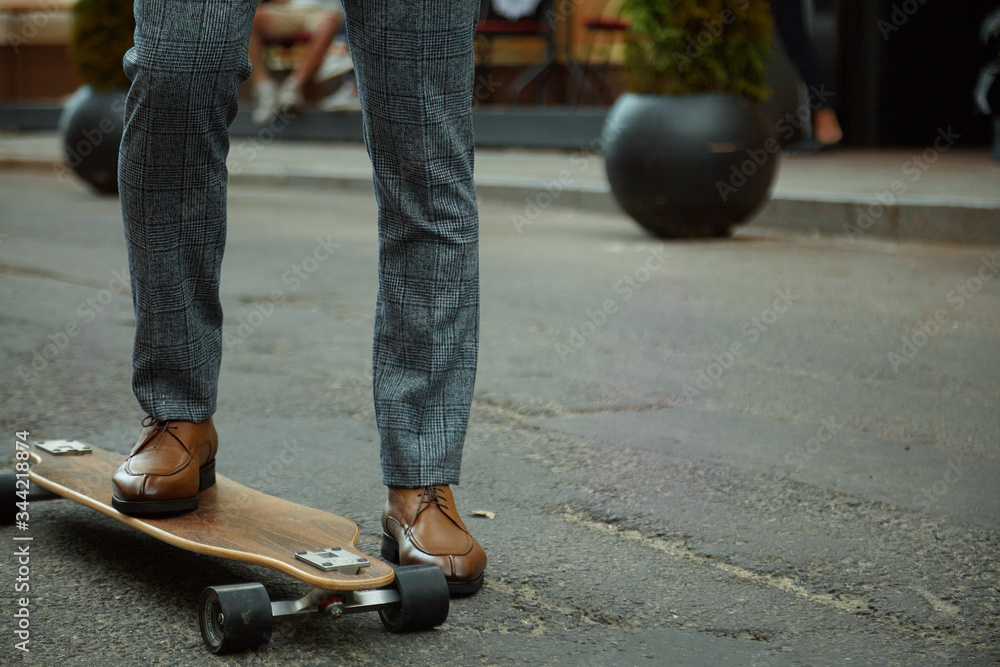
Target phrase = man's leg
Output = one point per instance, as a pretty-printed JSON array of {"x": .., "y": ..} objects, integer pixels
[
  {"x": 188, "y": 59},
  {"x": 415, "y": 67},
  {"x": 415, "y": 75}
]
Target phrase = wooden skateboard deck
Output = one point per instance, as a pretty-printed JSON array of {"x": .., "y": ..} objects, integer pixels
[
  {"x": 232, "y": 521},
  {"x": 236, "y": 522}
]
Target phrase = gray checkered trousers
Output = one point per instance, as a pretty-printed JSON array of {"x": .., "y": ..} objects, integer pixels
[{"x": 415, "y": 69}]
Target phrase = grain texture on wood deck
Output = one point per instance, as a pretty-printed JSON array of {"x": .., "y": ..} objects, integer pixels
[{"x": 232, "y": 521}]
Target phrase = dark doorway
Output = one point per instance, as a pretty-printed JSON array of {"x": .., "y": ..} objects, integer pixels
[{"x": 908, "y": 68}]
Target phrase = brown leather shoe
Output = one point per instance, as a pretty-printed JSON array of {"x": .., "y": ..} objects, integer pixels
[
  {"x": 423, "y": 526},
  {"x": 169, "y": 465}
]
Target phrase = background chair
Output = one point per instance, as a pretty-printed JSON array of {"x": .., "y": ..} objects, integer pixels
[
  {"x": 604, "y": 32},
  {"x": 539, "y": 24}
]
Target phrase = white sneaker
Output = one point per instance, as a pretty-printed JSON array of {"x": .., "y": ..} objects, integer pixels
[
  {"x": 267, "y": 102},
  {"x": 344, "y": 99},
  {"x": 334, "y": 66},
  {"x": 290, "y": 95}
]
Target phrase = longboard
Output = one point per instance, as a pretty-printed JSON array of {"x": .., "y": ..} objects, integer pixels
[{"x": 239, "y": 523}]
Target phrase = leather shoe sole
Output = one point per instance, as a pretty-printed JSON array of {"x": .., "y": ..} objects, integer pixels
[
  {"x": 390, "y": 553},
  {"x": 206, "y": 479}
]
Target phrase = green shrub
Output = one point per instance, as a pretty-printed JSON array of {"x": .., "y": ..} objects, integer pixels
[
  {"x": 102, "y": 33},
  {"x": 679, "y": 47}
]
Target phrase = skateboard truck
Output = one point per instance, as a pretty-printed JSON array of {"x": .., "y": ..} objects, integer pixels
[
  {"x": 336, "y": 603},
  {"x": 334, "y": 559},
  {"x": 64, "y": 447}
]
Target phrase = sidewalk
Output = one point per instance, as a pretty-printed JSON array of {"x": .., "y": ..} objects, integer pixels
[{"x": 952, "y": 196}]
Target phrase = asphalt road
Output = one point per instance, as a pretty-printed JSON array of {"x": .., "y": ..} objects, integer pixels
[{"x": 768, "y": 450}]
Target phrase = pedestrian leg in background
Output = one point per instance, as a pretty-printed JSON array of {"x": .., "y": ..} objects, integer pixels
[{"x": 790, "y": 21}]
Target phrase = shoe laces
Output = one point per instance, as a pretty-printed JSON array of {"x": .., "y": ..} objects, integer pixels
[
  {"x": 431, "y": 495},
  {"x": 160, "y": 428}
]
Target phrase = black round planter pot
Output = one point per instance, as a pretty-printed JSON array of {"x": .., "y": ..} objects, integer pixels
[
  {"x": 689, "y": 166},
  {"x": 91, "y": 127}
]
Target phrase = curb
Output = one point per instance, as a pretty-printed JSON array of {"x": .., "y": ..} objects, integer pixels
[
  {"x": 916, "y": 220},
  {"x": 928, "y": 220}
]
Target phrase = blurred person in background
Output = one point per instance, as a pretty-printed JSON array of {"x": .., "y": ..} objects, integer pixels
[
  {"x": 279, "y": 20},
  {"x": 789, "y": 19}
]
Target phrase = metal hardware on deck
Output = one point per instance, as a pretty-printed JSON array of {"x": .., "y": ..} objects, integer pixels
[
  {"x": 64, "y": 447},
  {"x": 334, "y": 559}
]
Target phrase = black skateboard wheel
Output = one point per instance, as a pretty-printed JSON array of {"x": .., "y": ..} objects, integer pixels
[
  {"x": 235, "y": 618},
  {"x": 423, "y": 599}
]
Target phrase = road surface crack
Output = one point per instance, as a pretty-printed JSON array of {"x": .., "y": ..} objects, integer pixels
[{"x": 837, "y": 601}]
